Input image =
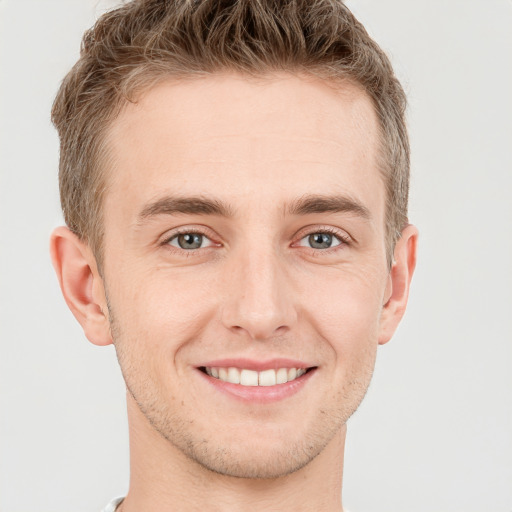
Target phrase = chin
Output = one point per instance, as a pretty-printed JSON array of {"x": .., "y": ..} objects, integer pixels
[
  {"x": 255, "y": 462},
  {"x": 266, "y": 451}
]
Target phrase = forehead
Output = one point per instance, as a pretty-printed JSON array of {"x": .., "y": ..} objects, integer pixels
[{"x": 244, "y": 140}]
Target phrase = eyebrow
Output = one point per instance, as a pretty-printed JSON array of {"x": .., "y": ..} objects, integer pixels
[
  {"x": 198, "y": 205},
  {"x": 184, "y": 205},
  {"x": 309, "y": 204}
]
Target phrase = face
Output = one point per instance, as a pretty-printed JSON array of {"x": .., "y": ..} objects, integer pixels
[{"x": 245, "y": 265}]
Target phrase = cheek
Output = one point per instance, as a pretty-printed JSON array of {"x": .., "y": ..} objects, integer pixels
[
  {"x": 161, "y": 308},
  {"x": 153, "y": 317},
  {"x": 346, "y": 313}
]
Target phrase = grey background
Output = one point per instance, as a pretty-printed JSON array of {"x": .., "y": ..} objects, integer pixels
[{"x": 435, "y": 431}]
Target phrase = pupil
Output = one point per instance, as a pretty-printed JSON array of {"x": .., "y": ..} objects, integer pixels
[
  {"x": 190, "y": 241},
  {"x": 320, "y": 240}
]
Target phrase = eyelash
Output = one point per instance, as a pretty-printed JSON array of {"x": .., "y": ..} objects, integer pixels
[
  {"x": 187, "y": 231},
  {"x": 344, "y": 240}
]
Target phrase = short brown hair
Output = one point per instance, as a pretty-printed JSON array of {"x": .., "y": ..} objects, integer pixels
[{"x": 131, "y": 48}]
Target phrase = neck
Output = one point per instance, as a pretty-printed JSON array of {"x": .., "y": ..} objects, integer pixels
[{"x": 163, "y": 479}]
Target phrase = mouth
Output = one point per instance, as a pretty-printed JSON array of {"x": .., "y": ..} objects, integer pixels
[
  {"x": 252, "y": 378},
  {"x": 257, "y": 381}
]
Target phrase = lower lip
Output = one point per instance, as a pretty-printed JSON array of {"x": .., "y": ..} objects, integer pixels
[{"x": 260, "y": 394}]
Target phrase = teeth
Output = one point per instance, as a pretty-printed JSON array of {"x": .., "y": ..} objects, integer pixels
[
  {"x": 267, "y": 378},
  {"x": 281, "y": 376},
  {"x": 248, "y": 378},
  {"x": 223, "y": 374},
  {"x": 233, "y": 376},
  {"x": 253, "y": 378}
]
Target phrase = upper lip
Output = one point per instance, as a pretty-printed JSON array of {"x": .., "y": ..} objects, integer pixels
[{"x": 256, "y": 365}]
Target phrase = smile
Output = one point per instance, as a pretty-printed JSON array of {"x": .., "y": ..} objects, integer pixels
[
  {"x": 245, "y": 377},
  {"x": 257, "y": 381}
]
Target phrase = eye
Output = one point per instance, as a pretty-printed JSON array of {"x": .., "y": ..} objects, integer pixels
[
  {"x": 190, "y": 241},
  {"x": 320, "y": 240}
]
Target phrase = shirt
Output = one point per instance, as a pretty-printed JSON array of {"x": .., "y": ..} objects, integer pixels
[{"x": 111, "y": 507}]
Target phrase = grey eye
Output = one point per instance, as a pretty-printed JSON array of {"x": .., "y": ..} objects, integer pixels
[
  {"x": 320, "y": 241},
  {"x": 189, "y": 241}
]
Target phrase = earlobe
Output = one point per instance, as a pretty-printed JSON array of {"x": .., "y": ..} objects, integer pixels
[
  {"x": 81, "y": 284},
  {"x": 399, "y": 280}
]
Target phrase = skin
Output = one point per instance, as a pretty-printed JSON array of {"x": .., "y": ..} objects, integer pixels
[{"x": 255, "y": 289}]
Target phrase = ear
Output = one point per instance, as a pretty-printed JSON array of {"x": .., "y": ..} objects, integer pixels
[
  {"x": 81, "y": 284},
  {"x": 399, "y": 279}
]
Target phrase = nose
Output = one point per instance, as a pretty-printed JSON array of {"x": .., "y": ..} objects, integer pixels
[{"x": 259, "y": 299}]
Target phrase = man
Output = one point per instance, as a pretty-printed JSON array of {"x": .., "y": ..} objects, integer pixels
[{"x": 234, "y": 180}]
